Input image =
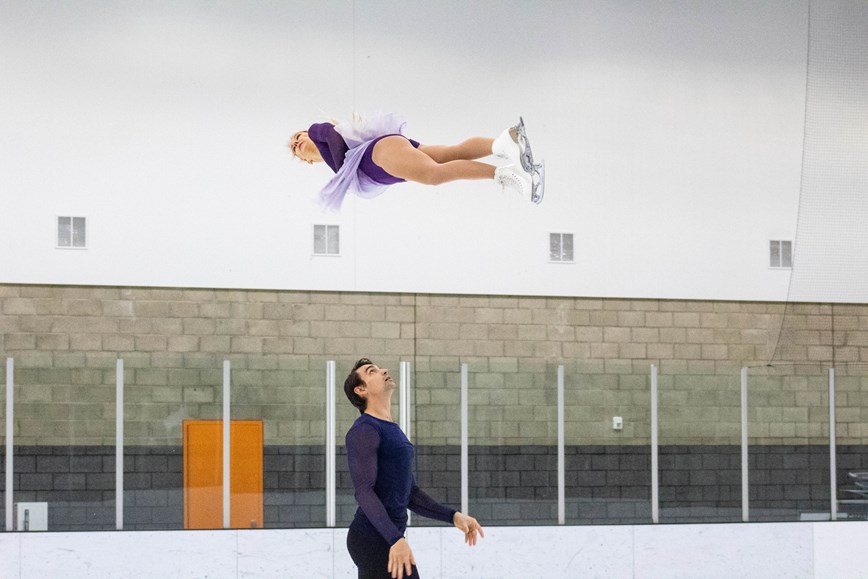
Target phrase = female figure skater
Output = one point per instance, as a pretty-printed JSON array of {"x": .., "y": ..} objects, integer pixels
[
  {"x": 380, "y": 459},
  {"x": 368, "y": 156}
]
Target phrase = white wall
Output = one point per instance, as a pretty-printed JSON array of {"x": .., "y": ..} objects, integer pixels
[
  {"x": 672, "y": 134},
  {"x": 761, "y": 550}
]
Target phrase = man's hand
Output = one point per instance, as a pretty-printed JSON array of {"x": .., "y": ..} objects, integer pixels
[
  {"x": 401, "y": 559},
  {"x": 469, "y": 526}
]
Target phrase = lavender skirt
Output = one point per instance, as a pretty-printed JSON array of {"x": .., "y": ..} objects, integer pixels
[{"x": 358, "y": 134}]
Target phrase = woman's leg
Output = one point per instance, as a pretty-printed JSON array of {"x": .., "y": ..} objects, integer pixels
[
  {"x": 469, "y": 150},
  {"x": 397, "y": 156}
]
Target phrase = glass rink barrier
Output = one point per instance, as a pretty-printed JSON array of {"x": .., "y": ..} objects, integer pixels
[
  {"x": 146, "y": 442},
  {"x": 606, "y": 443},
  {"x": 789, "y": 443},
  {"x": 699, "y": 419}
]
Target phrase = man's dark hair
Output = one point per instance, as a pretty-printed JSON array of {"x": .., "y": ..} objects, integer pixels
[{"x": 353, "y": 380}]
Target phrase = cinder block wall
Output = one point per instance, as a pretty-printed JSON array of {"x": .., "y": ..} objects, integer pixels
[{"x": 65, "y": 342}]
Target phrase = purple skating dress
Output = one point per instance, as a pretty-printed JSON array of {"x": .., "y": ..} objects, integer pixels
[{"x": 347, "y": 149}]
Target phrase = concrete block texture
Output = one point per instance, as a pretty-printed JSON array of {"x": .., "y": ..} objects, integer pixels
[
  {"x": 511, "y": 484},
  {"x": 65, "y": 342}
]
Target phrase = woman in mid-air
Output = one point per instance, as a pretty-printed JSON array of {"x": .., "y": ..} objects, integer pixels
[{"x": 368, "y": 156}]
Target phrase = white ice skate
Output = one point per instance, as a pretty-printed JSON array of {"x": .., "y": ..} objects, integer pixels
[
  {"x": 506, "y": 146},
  {"x": 537, "y": 171},
  {"x": 513, "y": 145},
  {"x": 513, "y": 177}
]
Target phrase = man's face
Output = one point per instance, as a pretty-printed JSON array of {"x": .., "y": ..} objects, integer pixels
[{"x": 377, "y": 381}]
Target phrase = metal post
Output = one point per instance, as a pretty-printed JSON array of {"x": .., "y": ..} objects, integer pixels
[
  {"x": 833, "y": 463},
  {"x": 10, "y": 430},
  {"x": 227, "y": 467},
  {"x": 464, "y": 447},
  {"x": 119, "y": 445},
  {"x": 745, "y": 481},
  {"x": 405, "y": 409},
  {"x": 562, "y": 510},
  {"x": 331, "y": 444},
  {"x": 405, "y": 398},
  {"x": 655, "y": 486}
]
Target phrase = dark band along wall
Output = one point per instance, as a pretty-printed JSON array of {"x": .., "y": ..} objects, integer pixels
[
  {"x": 604, "y": 485},
  {"x": 65, "y": 342}
]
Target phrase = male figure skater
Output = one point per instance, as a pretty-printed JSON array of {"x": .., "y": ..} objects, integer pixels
[{"x": 381, "y": 459}]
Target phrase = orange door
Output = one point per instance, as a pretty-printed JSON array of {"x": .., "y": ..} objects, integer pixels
[{"x": 203, "y": 474}]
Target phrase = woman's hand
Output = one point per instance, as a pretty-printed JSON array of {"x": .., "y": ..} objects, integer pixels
[
  {"x": 401, "y": 559},
  {"x": 469, "y": 526}
]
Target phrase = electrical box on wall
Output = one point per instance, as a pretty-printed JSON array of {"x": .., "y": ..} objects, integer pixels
[
  {"x": 32, "y": 517},
  {"x": 617, "y": 423}
]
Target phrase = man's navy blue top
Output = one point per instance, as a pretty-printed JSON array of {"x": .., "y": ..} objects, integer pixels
[{"x": 381, "y": 466}]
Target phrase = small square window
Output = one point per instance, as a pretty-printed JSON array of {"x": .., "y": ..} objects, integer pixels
[
  {"x": 561, "y": 247},
  {"x": 326, "y": 240},
  {"x": 71, "y": 232},
  {"x": 781, "y": 254}
]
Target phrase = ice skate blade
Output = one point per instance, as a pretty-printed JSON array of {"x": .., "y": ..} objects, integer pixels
[
  {"x": 525, "y": 152},
  {"x": 539, "y": 181}
]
